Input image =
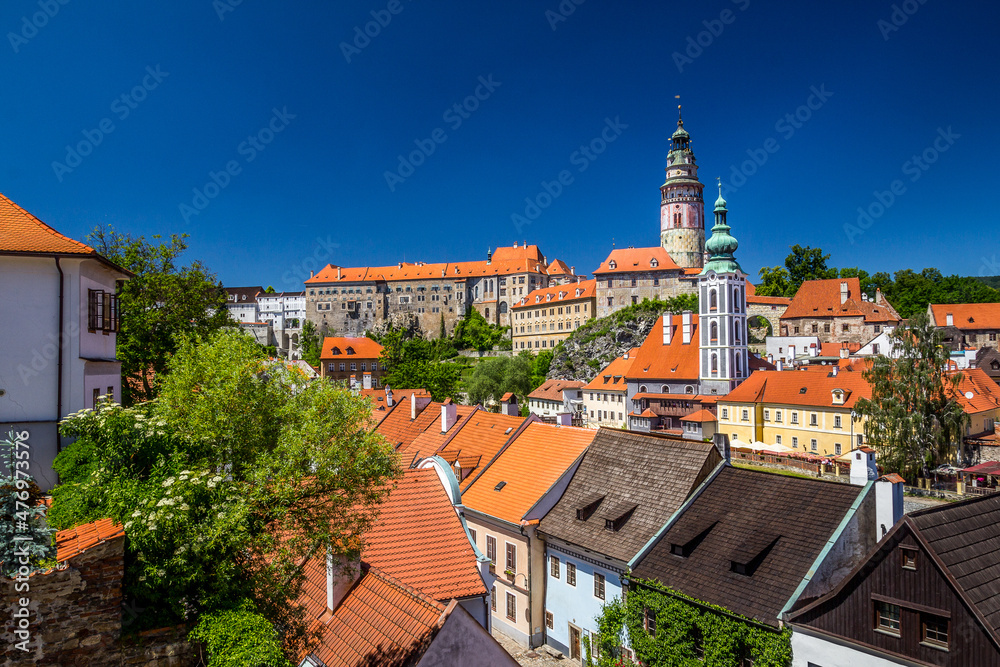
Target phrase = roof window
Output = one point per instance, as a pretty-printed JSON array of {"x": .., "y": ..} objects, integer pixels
[
  {"x": 499, "y": 486},
  {"x": 588, "y": 506}
]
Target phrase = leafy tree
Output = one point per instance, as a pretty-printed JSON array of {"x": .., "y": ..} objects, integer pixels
[
  {"x": 913, "y": 417},
  {"x": 223, "y": 635},
  {"x": 412, "y": 363},
  {"x": 539, "y": 367},
  {"x": 773, "y": 281},
  {"x": 225, "y": 483},
  {"x": 806, "y": 264},
  {"x": 444, "y": 329},
  {"x": 269, "y": 290},
  {"x": 23, "y": 532},
  {"x": 495, "y": 376},
  {"x": 162, "y": 302},
  {"x": 311, "y": 343},
  {"x": 475, "y": 333},
  {"x": 910, "y": 292}
]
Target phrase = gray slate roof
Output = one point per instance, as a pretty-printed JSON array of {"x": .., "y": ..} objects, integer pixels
[
  {"x": 653, "y": 474},
  {"x": 774, "y": 525}
]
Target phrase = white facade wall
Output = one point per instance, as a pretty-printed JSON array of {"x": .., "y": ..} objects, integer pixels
[
  {"x": 813, "y": 650},
  {"x": 606, "y": 408}
]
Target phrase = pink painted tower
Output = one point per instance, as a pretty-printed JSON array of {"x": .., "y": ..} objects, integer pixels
[{"x": 682, "y": 209}]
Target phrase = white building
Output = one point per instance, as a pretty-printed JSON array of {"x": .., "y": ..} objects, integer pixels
[
  {"x": 59, "y": 310},
  {"x": 285, "y": 312},
  {"x": 557, "y": 397},
  {"x": 605, "y": 397}
]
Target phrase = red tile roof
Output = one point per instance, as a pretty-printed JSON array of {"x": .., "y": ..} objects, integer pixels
[
  {"x": 821, "y": 298},
  {"x": 528, "y": 468},
  {"x": 612, "y": 378},
  {"x": 657, "y": 361},
  {"x": 364, "y": 348},
  {"x": 968, "y": 316},
  {"x": 74, "y": 541},
  {"x": 380, "y": 620},
  {"x": 552, "y": 390},
  {"x": 22, "y": 232},
  {"x": 585, "y": 289},
  {"x": 699, "y": 416},
  {"x": 638, "y": 259},
  {"x": 399, "y": 429},
  {"x": 985, "y": 393},
  {"x": 432, "y": 440},
  {"x": 801, "y": 387},
  {"x": 420, "y": 540},
  {"x": 769, "y": 300},
  {"x": 833, "y": 349},
  {"x": 559, "y": 268}
]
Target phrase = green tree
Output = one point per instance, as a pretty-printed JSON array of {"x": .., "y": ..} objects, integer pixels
[
  {"x": 473, "y": 332},
  {"x": 23, "y": 533},
  {"x": 913, "y": 418},
  {"x": 412, "y": 363},
  {"x": 162, "y": 302},
  {"x": 269, "y": 290},
  {"x": 225, "y": 483},
  {"x": 495, "y": 376},
  {"x": 539, "y": 367},
  {"x": 806, "y": 263},
  {"x": 773, "y": 281},
  {"x": 311, "y": 343},
  {"x": 911, "y": 292}
]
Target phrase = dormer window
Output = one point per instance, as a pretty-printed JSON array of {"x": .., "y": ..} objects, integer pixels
[
  {"x": 838, "y": 396},
  {"x": 500, "y": 486},
  {"x": 616, "y": 517},
  {"x": 589, "y": 505},
  {"x": 654, "y": 263},
  {"x": 350, "y": 350},
  {"x": 612, "y": 264},
  {"x": 748, "y": 556},
  {"x": 335, "y": 351}
]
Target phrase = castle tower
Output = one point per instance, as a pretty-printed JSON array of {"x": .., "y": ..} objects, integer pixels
[
  {"x": 722, "y": 311},
  {"x": 682, "y": 209}
]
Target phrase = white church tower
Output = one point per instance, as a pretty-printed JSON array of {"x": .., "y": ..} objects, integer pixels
[{"x": 722, "y": 290}]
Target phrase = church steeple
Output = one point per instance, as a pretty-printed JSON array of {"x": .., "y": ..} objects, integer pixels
[
  {"x": 722, "y": 246},
  {"x": 682, "y": 209}
]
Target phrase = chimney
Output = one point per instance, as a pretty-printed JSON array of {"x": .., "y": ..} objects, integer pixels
[
  {"x": 312, "y": 273},
  {"x": 449, "y": 414},
  {"x": 564, "y": 419},
  {"x": 949, "y": 320},
  {"x": 770, "y": 358},
  {"x": 791, "y": 355},
  {"x": 668, "y": 329},
  {"x": 878, "y": 295},
  {"x": 721, "y": 441},
  {"x": 863, "y": 468},
  {"x": 781, "y": 365},
  {"x": 508, "y": 405},
  {"x": 413, "y": 407},
  {"x": 844, "y": 293},
  {"x": 338, "y": 273},
  {"x": 366, "y": 381},
  {"x": 686, "y": 325},
  {"x": 844, "y": 351},
  {"x": 341, "y": 575},
  {"x": 388, "y": 396},
  {"x": 834, "y": 371},
  {"x": 888, "y": 503}
]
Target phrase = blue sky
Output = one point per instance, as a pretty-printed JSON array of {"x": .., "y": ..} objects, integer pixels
[{"x": 328, "y": 121}]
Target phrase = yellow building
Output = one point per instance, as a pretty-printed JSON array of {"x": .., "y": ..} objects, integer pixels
[{"x": 547, "y": 316}]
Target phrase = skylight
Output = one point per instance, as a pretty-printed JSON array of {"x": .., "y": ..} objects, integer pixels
[{"x": 499, "y": 486}]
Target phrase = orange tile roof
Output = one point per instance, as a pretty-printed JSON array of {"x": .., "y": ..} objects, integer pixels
[
  {"x": 968, "y": 316},
  {"x": 612, "y": 378},
  {"x": 377, "y": 397},
  {"x": 585, "y": 289},
  {"x": 528, "y": 468},
  {"x": 833, "y": 349},
  {"x": 821, "y": 298},
  {"x": 559, "y": 268},
  {"x": 786, "y": 387},
  {"x": 552, "y": 390},
  {"x": 399, "y": 429},
  {"x": 420, "y": 540},
  {"x": 699, "y": 416},
  {"x": 22, "y": 232},
  {"x": 380, "y": 620},
  {"x": 768, "y": 300},
  {"x": 520, "y": 252},
  {"x": 657, "y": 361},
  {"x": 74, "y": 541},
  {"x": 517, "y": 260},
  {"x": 432, "y": 440},
  {"x": 364, "y": 348},
  {"x": 638, "y": 259},
  {"x": 985, "y": 392}
]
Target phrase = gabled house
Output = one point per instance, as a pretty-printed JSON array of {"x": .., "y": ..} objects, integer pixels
[
  {"x": 627, "y": 486},
  {"x": 558, "y": 397},
  {"x": 837, "y": 311},
  {"x": 504, "y": 502},
  {"x": 744, "y": 549},
  {"x": 58, "y": 337},
  {"x": 977, "y": 324},
  {"x": 604, "y": 397},
  {"x": 359, "y": 359},
  {"x": 927, "y": 595}
]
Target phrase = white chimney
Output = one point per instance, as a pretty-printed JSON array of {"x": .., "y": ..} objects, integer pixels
[
  {"x": 781, "y": 365},
  {"x": 844, "y": 351},
  {"x": 844, "y": 292},
  {"x": 791, "y": 354},
  {"x": 668, "y": 329},
  {"x": 888, "y": 503},
  {"x": 686, "y": 326},
  {"x": 863, "y": 468},
  {"x": 564, "y": 419},
  {"x": 366, "y": 381},
  {"x": 449, "y": 414},
  {"x": 388, "y": 396},
  {"x": 949, "y": 320},
  {"x": 312, "y": 273},
  {"x": 413, "y": 407},
  {"x": 340, "y": 578},
  {"x": 878, "y": 295},
  {"x": 834, "y": 371}
]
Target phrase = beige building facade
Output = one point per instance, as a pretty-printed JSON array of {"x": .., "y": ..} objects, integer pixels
[{"x": 545, "y": 317}]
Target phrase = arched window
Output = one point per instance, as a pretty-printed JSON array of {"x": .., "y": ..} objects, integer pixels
[
  {"x": 715, "y": 364},
  {"x": 714, "y": 332},
  {"x": 736, "y": 332},
  {"x": 739, "y": 366},
  {"x": 736, "y": 300},
  {"x": 713, "y": 300},
  {"x": 503, "y": 307},
  {"x": 664, "y": 389},
  {"x": 642, "y": 389},
  {"x": 689, "y": 389}
]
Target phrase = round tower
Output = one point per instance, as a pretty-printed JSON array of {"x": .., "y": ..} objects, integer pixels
[{"x": 682, "y": 209}]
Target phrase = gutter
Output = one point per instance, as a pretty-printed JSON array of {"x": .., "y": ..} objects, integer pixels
[
  {"x": 834, "y": 538},
  {"x": 676, "y": 515}
]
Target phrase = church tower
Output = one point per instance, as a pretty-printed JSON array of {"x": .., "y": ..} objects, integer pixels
[
  {"x": 682, "y": 209},
  {"x": 722, "y": 311}
]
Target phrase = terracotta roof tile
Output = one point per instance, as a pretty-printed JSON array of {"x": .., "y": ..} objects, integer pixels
[
  {"x": 363, "y": 347},
  {"x": 612, "y": 377},
  {"x": 22, "y": 232},
  {"x": 559, "y": 268},
  {"x": 811, "y": 387},
  {"x": 968, "y": 316},
  {"x": 552, "y": 390},
  {"x": 699, "y": 416},
  {"x": 768, "y": 300},
  {"x": 399, "y": 429},
  {"x": 656, "y": 361},
  {"x": 554, "y": 294},
  {"x": 420, "y": 540},
  {"x": 529, "y": 466},
  {"x": 821, "y": 298},
  {"x": 74, "y": 541},
  {"x": 638, "y": 259}
]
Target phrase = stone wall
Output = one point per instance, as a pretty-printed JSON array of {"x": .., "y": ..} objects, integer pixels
[
  {"x": 841, "y": 329},
  {"x": 165, "y": 647},
  {"x": 76, "y": 611},
  {"x": 648, "y": 285}
]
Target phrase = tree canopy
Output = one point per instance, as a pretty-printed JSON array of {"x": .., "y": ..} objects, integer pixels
[
  {"x": 495, "y": 376},
  {"x": 162, "y": 302},
  {"x": 914, "y": 421},
  {"x": 234, "y": 474},
  {"x": 473, "y": 332},
  {"x": 412, "y": 363}
]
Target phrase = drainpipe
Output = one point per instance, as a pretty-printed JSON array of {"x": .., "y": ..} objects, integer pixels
[
  {"x": 59, "y": 366},
  {"x": 531, "y": 626}
]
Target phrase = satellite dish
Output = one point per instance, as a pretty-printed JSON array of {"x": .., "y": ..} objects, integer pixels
[{"x": 969, "y": 395}]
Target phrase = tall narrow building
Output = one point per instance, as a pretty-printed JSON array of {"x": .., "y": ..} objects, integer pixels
[
  {"x": 682, "y": 208},
  {"x": 722, "y": 292}
]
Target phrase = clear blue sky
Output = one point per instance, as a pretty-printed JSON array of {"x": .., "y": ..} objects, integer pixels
[{"x": 323, "y": 175}]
